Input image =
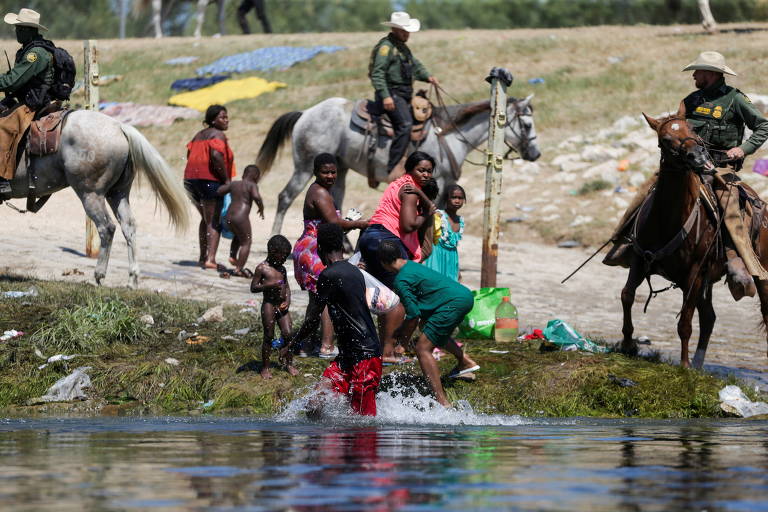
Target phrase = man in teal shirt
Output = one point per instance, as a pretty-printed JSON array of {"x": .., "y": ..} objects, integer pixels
[{"x": 440, "y": 302}]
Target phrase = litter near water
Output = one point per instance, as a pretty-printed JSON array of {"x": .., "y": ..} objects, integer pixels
[
  {"x": 14, "y": 294},
  {"x": 136, "y": 114},
  {"x": 563, "y": 335},
  {"x": 9, "y": 335},
  {"x": 171, "y": 361},
  {"x": 761, "y": 167},
  {"x": 250, "y": 311},
  {"x": 242, "y": 332},
  {"x": 66, "y": 389},
  {"x": 734, "y": 401},
  {"x": 536, "y": 81},
  {"x": 643, "y": 340},
  {"x": 214, "y": 314},
  {"x": 622, "y": 381},
  {"x": 57, "y": 357},
  {"x": 225, "y": 92},
  {"x": 193, "y": 84},
  {"x": 197, "y": 340},
  {"x": 264, "y": 59},
  {"x": 147, "y": 320},
  {"x": 184, "y": 335},
  {"x": 494, "y": 351},
  {"x": 568, "y": 244}
]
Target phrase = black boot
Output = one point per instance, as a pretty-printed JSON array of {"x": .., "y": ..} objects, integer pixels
[{"x": 5, "y": 190}]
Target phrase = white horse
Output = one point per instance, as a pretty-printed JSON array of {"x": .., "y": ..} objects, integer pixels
[
  {"x": 157, "y": 10},
  {"x": 99, "y": 158},
  {"x": 325, "y": 127}
]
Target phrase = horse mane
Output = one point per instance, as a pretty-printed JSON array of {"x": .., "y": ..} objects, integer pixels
[{"x": 449, "y": 117}]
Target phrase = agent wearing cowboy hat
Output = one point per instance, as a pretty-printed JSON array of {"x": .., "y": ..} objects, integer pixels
[
  {"x": 26, "y": 88},
  {"x": 718, "y": 114},
  {"x": 392, "y": 70}
]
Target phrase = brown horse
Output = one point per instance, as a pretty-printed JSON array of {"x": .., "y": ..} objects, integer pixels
[{"x": 675, "y": 237}]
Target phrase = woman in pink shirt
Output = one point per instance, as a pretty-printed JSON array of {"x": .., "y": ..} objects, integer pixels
[{"x": 398, "y": 218}]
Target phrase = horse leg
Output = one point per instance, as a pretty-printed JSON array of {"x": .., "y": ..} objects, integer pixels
[
  {"x": 706, "y": 324},
  {"x": 301, "y": 176},
  {"x": 96, "y": 209},
  {"x": 684, "y": 327},
  {"x": 762, "y": 292},
  {"x": 635, "y": 278},
  {"x": 222, "y": 5},
  {"x": 157, "y": 8},
  {"x": 120, "y": 204}
]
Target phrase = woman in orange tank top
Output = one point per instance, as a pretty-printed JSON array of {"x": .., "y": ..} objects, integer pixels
[{"x": 210, "y": 164}]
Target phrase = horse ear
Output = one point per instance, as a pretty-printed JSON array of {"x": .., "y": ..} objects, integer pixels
[
  {"x": 681, "y": 110},
  {"x": 525, "y": 102},
  {"x": 653, "y": 123}
]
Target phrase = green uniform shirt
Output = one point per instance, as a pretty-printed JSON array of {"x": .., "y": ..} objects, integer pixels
[
  {"x": 718, "y": 115},
  {"x": 35, "y": 62},
  {"x": 422, "y": 290},
  {"x": 388, "y": 67}
]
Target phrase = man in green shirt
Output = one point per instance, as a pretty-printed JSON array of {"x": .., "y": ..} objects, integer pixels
[
  {"x": 718, "y": 114},
  {"x": 26, "y": 87},
  {"x": 392, "y": 70},
  {"x": 441, "y": 303}
]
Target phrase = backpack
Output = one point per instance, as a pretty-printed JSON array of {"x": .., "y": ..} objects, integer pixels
[{"x": 63, "y": 70}]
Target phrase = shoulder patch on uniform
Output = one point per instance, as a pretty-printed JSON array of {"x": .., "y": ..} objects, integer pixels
[
  {"x": 31, "y": 57},
  {"x": 384, "y": 50}
]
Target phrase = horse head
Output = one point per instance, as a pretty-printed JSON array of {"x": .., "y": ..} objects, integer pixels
[
  {"x": 679, "y": 143},
  {"x": 520, "y": 132}
]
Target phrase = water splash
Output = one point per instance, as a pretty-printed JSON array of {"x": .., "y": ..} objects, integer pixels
[{"x": 400, "y": 404}]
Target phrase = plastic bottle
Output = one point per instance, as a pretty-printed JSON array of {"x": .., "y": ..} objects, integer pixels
[
  {"x": 506, "y": 328},
  {"x": 278, "y": 343}
]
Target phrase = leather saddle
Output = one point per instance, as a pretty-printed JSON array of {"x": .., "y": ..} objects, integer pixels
[
  {"x": 366, "y": 117},
  {"x": 45, "y": 133}
]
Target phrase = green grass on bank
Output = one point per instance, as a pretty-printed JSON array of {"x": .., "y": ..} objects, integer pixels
[{"x": 129, "y": 371}]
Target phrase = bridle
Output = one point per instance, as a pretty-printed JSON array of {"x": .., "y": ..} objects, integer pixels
[{"x": 679, "y": 150}]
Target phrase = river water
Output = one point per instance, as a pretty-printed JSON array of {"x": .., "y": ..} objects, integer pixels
[{"x": 405, "y": 460}]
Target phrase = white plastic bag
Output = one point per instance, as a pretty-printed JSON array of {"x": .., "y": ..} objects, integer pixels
[{"x": 379, "y": 298}]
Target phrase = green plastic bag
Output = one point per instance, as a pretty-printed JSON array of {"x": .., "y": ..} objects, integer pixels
[
  {"x": 478, "y": 324},
  {"x": 563, "y": 335}
]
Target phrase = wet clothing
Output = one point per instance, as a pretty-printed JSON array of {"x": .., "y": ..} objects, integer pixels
[
  {"x": 199, "y": 159},
  {"x": 441, "y": 302},
  {"x": 369, "y": 243},
  {"x": 444, "y": 258},
  {"x": 202, "y": 190},
  {"x": 306, "y": 262},
  {"x": 718, "y": 115},
  {"x": 392, "y": 70},
  {"x": 360, "y": 382},
  {"x": 341, "y": 287},
  {"x": 31, "y": 77},
  {"x": 388, "y": 215}
]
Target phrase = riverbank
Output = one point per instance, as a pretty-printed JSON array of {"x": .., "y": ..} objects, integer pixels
[{"x": 138, "y": 368}]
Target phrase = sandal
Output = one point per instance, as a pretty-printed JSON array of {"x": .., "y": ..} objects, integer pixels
[{"x": 243, "y": 273}]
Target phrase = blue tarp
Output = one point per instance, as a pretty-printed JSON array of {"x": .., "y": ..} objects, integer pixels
[
  {"x": 193, "y": 84},
  {"x": 263, "y": 59}
]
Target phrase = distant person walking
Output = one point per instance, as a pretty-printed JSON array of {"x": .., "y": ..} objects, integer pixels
[
  {"x": 261, "y": 13},
  {"x": 210, "y": 164}
]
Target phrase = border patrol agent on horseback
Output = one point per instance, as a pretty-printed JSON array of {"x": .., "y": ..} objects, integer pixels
[
  {"x": 718, "y": 114},
  {"x": 26, "y": 87},
  {"x": 392, "y": 70}
]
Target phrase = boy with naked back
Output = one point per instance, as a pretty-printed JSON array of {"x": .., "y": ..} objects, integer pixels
[
  {"x": 244, "y": 193},
  {"x": 270, "y": 278}
]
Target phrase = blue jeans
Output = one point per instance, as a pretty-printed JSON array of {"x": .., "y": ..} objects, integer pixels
[{"x": 369, "y": 247}]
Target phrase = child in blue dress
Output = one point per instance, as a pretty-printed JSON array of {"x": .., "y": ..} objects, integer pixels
[{"x": 449, "y": 228}]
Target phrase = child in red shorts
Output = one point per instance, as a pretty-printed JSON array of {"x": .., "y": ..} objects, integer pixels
[{"x": 356, "y": 371}]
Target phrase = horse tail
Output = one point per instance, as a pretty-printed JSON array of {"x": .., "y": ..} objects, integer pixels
[
  {"x": 164, "y": 183},
  {"x": 276, "y": 137}
]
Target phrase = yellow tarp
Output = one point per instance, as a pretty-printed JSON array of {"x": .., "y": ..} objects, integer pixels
[{"x": 224, "y": 92}]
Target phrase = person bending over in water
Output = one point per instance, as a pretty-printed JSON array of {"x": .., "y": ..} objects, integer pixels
[
  {"x": 244, "y": 193},
  {"x": 440, "y": 302},
  {"x": 270, "y": 278},
  {"x": 356, "y": 371}
]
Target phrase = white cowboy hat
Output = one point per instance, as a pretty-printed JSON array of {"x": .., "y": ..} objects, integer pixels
[
  {"x": 710, "y": 61},
  {"x": 403, "y": 20},
  {"x": 25, "y": 18}
]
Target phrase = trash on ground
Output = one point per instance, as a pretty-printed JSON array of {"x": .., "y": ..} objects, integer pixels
[
  {"x": 225, "y": 92},
  {"x": 9, "y": 335},
  {"x": 734, "y": 401},
  {"x": 242, "y": 332},
  {"x": 147, "y": 115},
  {"x": 147, "y": 320},
  {"x": 249, "y": 311},
  {"x": 208, "y": 404},
  {"x": 180, "y": 61},
  {"x": 643, "y": 340},
  {"x": 184, "y": 335},
  {"x": 197, "y": 340},
  {"x": 32, "y": 292},
  {"x": 562, "y": 334},
  {"x": 537, "y": 334},
  {"x": 494, "y": 351},
  {"x": 614, "y": 60},
  {"x": 229, "y": 338},
  {"x": 67, "y": 388},
  {"x": 622, "y": 381},
  {"x": 57, "y": 357},
  {"x": 523, "y": 208},
  {"x": 264, "y": 59},
  {"x": 568, "y": 244},
  {"x": 536, "y": 81},
  {"x": 761, "y": 167},
  {"x": 214, "y": 314},
  {"x": 171, "y": 361}
]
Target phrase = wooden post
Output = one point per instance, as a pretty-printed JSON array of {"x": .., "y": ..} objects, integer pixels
[
  {"x": 500, "y": 79},
  {"x": 91, "y": 84}
]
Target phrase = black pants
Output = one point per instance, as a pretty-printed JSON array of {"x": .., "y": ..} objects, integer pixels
[
  {"x": 402, "y": 122},
  {"x": 261, "y": 13}
]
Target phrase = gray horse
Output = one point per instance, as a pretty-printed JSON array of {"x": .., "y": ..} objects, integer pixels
[
  {"x": 325, "y": 127},
  {"x": 99, "y": 157}
]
